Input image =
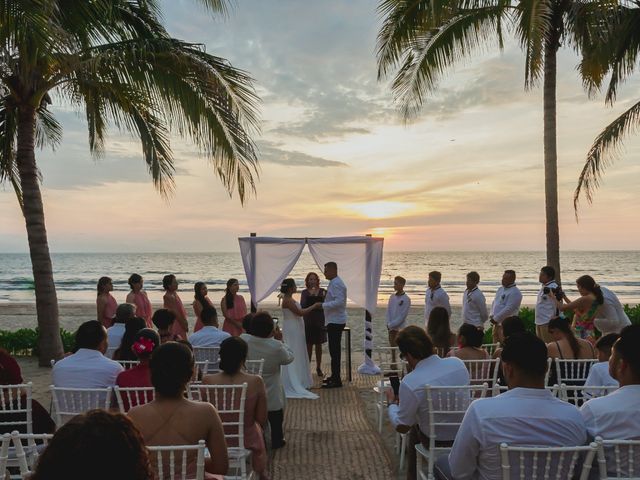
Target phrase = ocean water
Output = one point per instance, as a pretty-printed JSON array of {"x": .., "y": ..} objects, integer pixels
[{"x": 76, "y": 274}]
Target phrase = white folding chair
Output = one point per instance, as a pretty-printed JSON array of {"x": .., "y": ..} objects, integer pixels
[
  {"x": 210, "y": 355},
  {"x": 490, "y": 347},
  {"x": 573, "y": 372},
  {"x": 127, "y": 364},
  {"x": 557, "y": 463},
  {"x": 69, "y": 402},
  {"x": 483, "y": 371},
  {"x": 16, "y": 407},
  {"x": 199, "y": 371},
  {"x": 254, "y": 367},
  {"x": 576, "y": 393},
  {"x": 4, "y": 456},
  {"x": 446, "y": 407},
  {"x": 130, "y": 397},
  {"x": 173, "y": 462},
  {"x": 27, "y": 448},
  {"x": 388, "y": 359},
  {"x": 618, "y": 459},
  {"x": 229, "y": 400},
  {"x": 548, "y": 374}
]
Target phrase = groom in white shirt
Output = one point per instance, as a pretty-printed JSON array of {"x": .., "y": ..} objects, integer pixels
[{"x": 335, "y": 318}]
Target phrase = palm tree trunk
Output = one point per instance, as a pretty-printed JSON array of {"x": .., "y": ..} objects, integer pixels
[
  {"x": 551, "y": 155},
  {"x": 49, "y": 342}
]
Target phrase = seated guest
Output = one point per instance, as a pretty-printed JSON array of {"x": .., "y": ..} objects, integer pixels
[
  {"x": 617, "y": 416},
  {"x": 124, "y": 312},
  {"x": 10, "y": 374},
  {"x": 599, "y": 372},
  {"x": 87, "y": 367},
  {"x": 469, "y": 344},
  {"x": 565, "y": 345},
  {"x": 209, "y": 335},
  {"x": 409, "y": 411},
  {"x": 145, "y": 343},
  {"x": 233, "y": 353},
  {"x": 265, "y": 342},
  {"x": 527, "y": 414},
  {"x": 510, "y": 325},
  {"x": 439, "y": 330},
  {"x": 246, "y": 324},
  {"x": 172, "y": 419},
  {"x": 163, "y": 320},
  {"x": 131, "y": 329},
  {"x": 97, "y": 445}
]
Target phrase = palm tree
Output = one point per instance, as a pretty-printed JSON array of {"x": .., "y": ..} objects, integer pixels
[
  {"x": 422, "y": 39},
  {"x": 114, "y": 60},
  {"x": 615, "y": 52}
]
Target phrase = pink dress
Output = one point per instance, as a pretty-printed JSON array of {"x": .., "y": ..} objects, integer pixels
[
  {"x": 143, "y": 307},
  {"x": 177, "y": 329},
  {"x": 199, "y": 324},
  {"x": 109, "y": 311},
  {"x": 238, "y": 312}
]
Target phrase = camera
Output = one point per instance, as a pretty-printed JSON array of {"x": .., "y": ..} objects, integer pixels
[{"x": 557, "y": 292}]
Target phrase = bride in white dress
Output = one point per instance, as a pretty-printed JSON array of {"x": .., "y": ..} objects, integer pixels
[{"x": 296, "y": 377}]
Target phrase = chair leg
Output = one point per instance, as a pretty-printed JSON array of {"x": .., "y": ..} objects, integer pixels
[
  {"x": 380, "y": 414},
  {"x": 403, "y": 448}
]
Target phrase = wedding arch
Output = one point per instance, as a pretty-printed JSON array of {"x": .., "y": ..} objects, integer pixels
[{"x": 268, "y": 260}]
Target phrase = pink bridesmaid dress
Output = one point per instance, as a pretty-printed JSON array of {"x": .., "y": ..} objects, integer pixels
[
  {"x": 238, "y": 312},
  {"x": 177, "y": 329},
  {"x": 143, "y": 307},
  {"x": 199, "y": 325},
  {"x": 109, "y": 311}
]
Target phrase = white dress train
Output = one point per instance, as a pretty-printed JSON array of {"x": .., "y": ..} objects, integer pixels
[{"x": 296, "y": 377}]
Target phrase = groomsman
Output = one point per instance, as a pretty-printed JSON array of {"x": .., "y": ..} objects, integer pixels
[
  {"x": 474, "y": 305},
  {"x": 506, "y": 304},
  {"x": 397, "y": 309},
  {"x": 435, "y": 296}
]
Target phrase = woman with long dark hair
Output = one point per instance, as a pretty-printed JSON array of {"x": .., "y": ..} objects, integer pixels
[
  {"x": 131, "y": 328},
  {"x": 314, "y": 331},
  {"x": 233, "y": 307},
  {"x": 139, "y": 298},
  {"x": 201, "y": 302},
  {"x": 105, "y": 302},
  {"x": 469, "y": 344},
  {"x": 439, "y": 329},
  {"x": 565, "y": 344},
  {"x": 585, "y": 308}
]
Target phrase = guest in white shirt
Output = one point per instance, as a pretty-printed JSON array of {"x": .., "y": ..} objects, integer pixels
[
  {"x": 526, "y": 414},
  {"x": 611, "y": 317},
  {"x": 209, "y": 335},
  {"x": 124, "y": 312},
  {"x": 87, "y": 367},
  {"x": 474, "y": 305},
  {"x": 599, "y": 372},
  {"x": 546, "y": 305},
  {"x": 506, "y": 304},
  {"x": 335, "y": 318},
  {"x": 397, "y": 310},
  {"x": 617, "y": 416},
  {"x": 435, "y": 296},
  {"x": 409, "y": 411}
]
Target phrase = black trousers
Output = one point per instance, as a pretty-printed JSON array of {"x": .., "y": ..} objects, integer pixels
[
  {"x": 334, "y": 335},
  {"x": 276, "y": 417}
]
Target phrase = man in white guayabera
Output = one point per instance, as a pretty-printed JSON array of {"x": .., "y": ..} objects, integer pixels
[
  {"x": 506, "y": 304},
  {"x": 435, "y": 296},
  {"x": 474, "y": 305},
  {"x": 335, "y": 319}
]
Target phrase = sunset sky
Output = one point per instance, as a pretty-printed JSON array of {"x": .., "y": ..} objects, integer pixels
[{"x": 337, "y": 159}]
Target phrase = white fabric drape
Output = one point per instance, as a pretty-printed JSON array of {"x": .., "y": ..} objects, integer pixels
[{"x": 267, "y": 261}]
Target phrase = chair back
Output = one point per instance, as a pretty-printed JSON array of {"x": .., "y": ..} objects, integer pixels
[
  {"x": 573, "y": 372},
  {"x": 4, "y": 453},
  {"x": 618, "y": 458},
  {"x": 483, "y": 371},
  {"x": 127, "y": 364},
  {"x": 133, "y": 396},
  {"x": 28, "y": 448},
  {"x": 200, "y": 370},
  {"x": 579, "y": 394},
  {"x": 254, "y": 366},
  {"x": 69, "y": 402},
  {"x": 229, "y": 400},
  {"x": 388, "y": 359},
  {"x": 557, "y": 463},
  {"x": 209, "y": 354},
  {"x": 446, "y": 405},
  {"x": 173, "y": 462},
  {"x": 490, "y": 347},
  {"x": 15, "y": 408}
]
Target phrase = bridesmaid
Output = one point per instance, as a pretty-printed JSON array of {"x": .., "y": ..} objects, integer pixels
[
  {"x": 314, "y": 330},
  {"x": 138, "y": 297},
  {"x": 200, "y": 303},
  {"x": 105, "y": 302},
  {"x": 173, "y": 302},
  {"x": 233, "y": 308}
]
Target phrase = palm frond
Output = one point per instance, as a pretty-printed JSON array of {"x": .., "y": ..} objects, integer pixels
[
  {"x": 534, "y": 24},
  {"x": 48, "y": 130},
  {"x": 605, "y": 150},
  {"x": 8, "y": 166}
]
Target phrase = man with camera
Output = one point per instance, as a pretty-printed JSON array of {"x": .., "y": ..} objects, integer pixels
[{"x": 546, "y": 305}]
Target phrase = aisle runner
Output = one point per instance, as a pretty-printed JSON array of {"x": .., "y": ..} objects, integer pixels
[{"x": 330, "y": 439}]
